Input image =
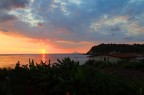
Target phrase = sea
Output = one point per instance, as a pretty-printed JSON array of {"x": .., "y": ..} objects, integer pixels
[{"x": 10, "y": 60}]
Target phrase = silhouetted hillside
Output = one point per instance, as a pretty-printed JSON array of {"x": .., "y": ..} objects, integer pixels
[{"x": 122, "y": 48}]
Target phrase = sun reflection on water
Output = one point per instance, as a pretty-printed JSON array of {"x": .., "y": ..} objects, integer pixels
[{"x": 43, "y": 57}]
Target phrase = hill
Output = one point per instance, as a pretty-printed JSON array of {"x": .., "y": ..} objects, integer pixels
[{"x": 122, "y": 48}]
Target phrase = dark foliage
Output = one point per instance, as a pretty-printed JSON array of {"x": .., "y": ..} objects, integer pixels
[
  {"x": 67, "y": 77},
  {"x": 123, "y": 48}
]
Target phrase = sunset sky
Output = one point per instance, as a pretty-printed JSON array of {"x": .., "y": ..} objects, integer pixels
[{"x": 67, "y": 26}]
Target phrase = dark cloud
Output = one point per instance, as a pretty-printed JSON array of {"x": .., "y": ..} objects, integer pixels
[
  {"x": 6, "y": 17},
  {"x": 115, "y": 28},
  {"x": 140, "y": 40},
  {"x": 40, "y": 25},
  {"x": 128, "y": 38},
  {"x": 7, "y": 5},
  {"x": 11, "y": 4}
]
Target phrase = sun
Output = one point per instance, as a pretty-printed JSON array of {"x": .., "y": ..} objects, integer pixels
[{"x": 43, "y": 51}]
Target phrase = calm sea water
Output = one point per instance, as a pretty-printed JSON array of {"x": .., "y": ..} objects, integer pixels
[{"x": 9, "y": 60}]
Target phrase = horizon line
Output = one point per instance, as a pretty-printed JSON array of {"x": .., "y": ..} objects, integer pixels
[{"x": 38, "y": 53}]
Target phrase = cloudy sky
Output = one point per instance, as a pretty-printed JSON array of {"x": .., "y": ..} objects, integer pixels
[{"x": 65, "y": 26}]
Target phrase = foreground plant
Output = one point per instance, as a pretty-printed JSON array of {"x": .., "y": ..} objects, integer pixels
[{"x": 66, "y": 77}]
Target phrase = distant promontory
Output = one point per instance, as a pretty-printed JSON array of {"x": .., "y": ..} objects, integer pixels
[{"x": 122, "y": 48}]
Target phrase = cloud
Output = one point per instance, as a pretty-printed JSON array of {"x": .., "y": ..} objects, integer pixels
[
  {"x": 72, "y": 44},
  {"x": 66, "y": 22},
  {"x": 121, "y": 24},
  {"x": 6, "y": 17},
  {"x": 106, "y": 25},
  {"x": 8, "y": 5},
  {"x": 135, "y": 1},
  {"x": 40, "y": 25},
  {"x": 12, "y": 4},
  {"x": 128, "y": 38},
  {"x": 4, "y": 30},
  {"x": 134, "y": 28},
  {"x": 28, "y": 15}
]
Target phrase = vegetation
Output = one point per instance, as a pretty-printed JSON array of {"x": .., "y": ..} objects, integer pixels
[
  {"x": 123, "y": 48},
  {"x": 67, "y": 77}
]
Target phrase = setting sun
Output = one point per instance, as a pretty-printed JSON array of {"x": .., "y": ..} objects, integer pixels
[{"x": 43, "y": 51}]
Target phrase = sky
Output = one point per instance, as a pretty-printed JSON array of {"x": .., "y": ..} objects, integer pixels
[{"x": 68, "y": 26}]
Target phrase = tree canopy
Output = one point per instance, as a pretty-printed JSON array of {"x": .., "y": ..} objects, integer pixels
[{"x": 122, "y": 48}]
